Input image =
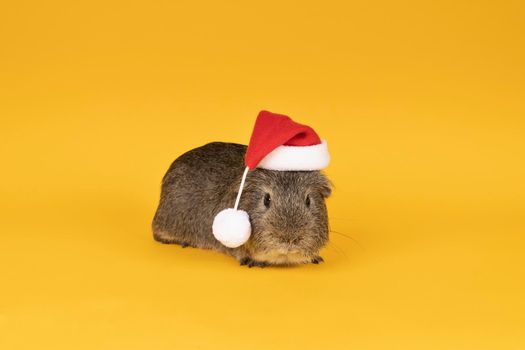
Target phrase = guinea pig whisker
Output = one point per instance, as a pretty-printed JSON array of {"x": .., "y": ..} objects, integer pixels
[
  {"x": 336, "y": 248},
  {"x": 347, "y": 236}
]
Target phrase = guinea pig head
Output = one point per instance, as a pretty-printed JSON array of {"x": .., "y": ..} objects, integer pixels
[
  {"x": 283, "y": 210},
  {"x": 288, "y": 214}
]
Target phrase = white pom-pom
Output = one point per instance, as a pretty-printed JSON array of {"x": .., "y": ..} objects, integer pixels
[{"x": 232, "y": 227}]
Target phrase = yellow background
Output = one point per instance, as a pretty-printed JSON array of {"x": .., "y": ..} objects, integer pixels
[{"x": 422, "y": 103}]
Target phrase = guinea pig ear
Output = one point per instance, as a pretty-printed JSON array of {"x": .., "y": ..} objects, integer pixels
[{"x": 325, "y": 187}]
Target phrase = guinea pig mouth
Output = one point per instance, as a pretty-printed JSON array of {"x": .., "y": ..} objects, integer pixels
[
  {"x": 283, "y": 256},
  {"x": 290, "y": 249},
  {"x": 285, "y": 247},
  {"x": 287, "y": 250},
  {"x": 291, "y": 241},
  {"x": 287, "y": 243}
]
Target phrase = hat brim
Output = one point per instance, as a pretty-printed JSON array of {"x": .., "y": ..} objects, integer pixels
[{"x": 297, "y": 158}]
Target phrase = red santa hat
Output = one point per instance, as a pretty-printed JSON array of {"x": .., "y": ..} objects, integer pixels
[{"x": 277, "y": 143}]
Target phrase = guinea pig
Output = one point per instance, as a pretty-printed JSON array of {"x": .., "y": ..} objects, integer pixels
[{"x": 287, "y": 210}]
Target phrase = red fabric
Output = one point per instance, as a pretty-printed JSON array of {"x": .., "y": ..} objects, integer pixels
[{"x": 273, "y": 130}]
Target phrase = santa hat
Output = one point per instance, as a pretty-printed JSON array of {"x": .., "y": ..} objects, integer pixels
[{"x": 277, "y": 143}]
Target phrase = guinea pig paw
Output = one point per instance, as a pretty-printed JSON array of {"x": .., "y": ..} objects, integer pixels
[
  {"x": 244, "y": 261},
  {"x": 251, "y": 263},
  {"x": 260, "y": 264},
  {"x": 317, "y": 260}
]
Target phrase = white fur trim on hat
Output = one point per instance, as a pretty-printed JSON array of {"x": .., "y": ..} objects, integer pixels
[{"x": 290, "y": 158}]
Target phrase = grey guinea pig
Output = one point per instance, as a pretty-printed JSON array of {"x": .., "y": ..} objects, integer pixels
[{"x": 286, "y": 208}]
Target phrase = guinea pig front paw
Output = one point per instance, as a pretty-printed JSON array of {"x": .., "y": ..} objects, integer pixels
[
  {"x": 251, "y": 263},
  {"x": 317, "y": 260}
]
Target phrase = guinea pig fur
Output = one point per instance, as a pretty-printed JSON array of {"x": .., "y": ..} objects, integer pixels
[{"x": 287, "y": 209}]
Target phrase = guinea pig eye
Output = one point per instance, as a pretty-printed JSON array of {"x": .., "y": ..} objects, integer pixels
[
  {"x": 267, "y": 200},
  {"x": 307, "y": 201}
]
